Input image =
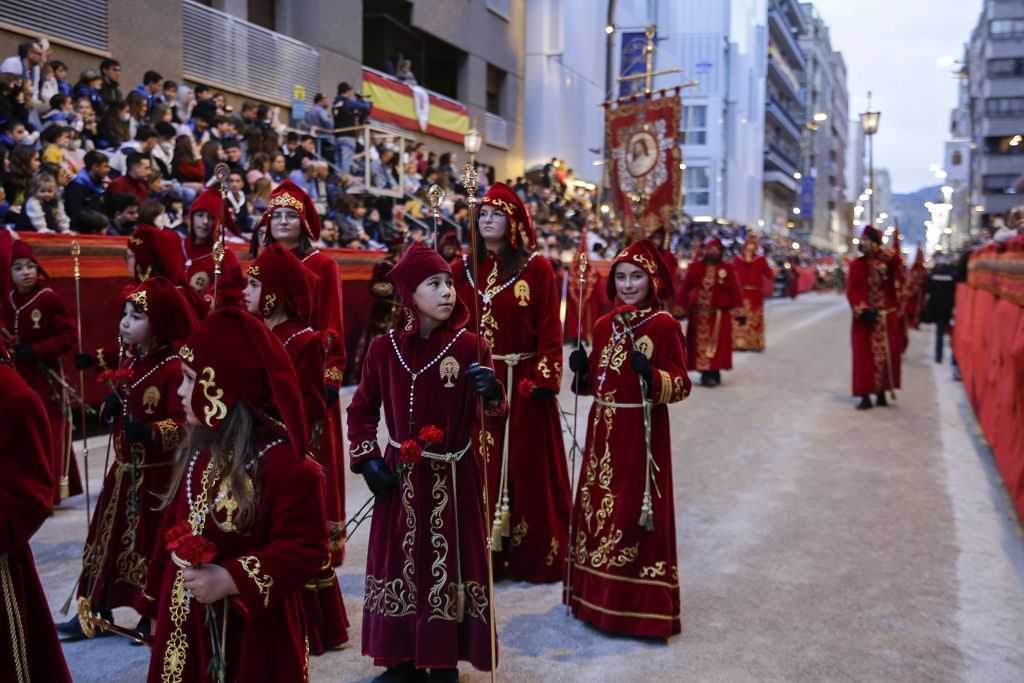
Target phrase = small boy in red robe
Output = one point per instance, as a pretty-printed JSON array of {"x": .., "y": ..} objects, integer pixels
[
  {"x": 204, "y": 224},
  {"x": 427, "y": 602}
]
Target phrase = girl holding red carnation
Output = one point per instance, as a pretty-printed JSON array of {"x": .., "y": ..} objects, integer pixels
[
  {"x": 146, "y": 419},
  {"x": 519, "y": 317},
  {"x": 279, "y": 292},
  {"x": 244, "y": 528},
  {"x": 39, "y": 330},
  {"x": 291, "y": 220},
  {"x": 624, "y": 576},
  {"x": 427, "y": 604}
]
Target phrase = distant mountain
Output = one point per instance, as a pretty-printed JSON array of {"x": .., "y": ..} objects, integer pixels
[{"x": 909, "y": 208}]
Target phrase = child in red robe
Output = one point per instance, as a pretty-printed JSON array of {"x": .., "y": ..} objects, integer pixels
[
  {"x": 39, "y": 330},
  {"x": 754, "y": 273},
  {"x": 204, "y": 224},
  {"x": 147, "y": 424},
  {"x": 246, "y": 502},
  {"x": 427, "y": 603},
  {"x": 624, "y": 576},
  {"x": 710, "y": 292},
  {"x": 279, "y": 292}
]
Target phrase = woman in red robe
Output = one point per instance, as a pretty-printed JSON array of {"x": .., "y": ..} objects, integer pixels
[
  {"x": 29, "y": 649},
  {"x": 754, "y": 273},
  {"x": 877, "y": 331},
  {"x": 292, "y": 221},
  {"x": 427, "y": 603},
  {"x": 204, "y": 225},
  {"x": 280, "y": 293},
  {"x": 710, "y": 292},
  {"x": 624, "y": 575},
  {"x": 527, "y": 473},
  {"x": 246, "y": 484},
  {"x": 40, "y": 329},
  {"x": 147, "y": 424}
]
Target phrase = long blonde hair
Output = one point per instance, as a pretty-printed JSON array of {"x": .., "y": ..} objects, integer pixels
[{"x": 233, "y": 452}]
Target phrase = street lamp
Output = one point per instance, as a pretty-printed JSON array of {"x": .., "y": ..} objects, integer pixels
[
  {"x": 472, "y": 142},
  {"x": 869, "y": 125}
]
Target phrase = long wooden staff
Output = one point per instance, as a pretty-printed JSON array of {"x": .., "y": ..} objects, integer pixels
[
  {"x": 221, "y": 171},
  {"x": 575, "y": 429},
  {"x": 76, "y": 251},
  {"x": 469, "y": 182}
]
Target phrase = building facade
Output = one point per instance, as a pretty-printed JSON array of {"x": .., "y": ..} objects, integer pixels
[
  {"x": 260, "y": 50},
  {"x": 995, "y": 87}
]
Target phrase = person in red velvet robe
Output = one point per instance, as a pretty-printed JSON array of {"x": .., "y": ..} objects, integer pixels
[
  {"x": 41, "y": 330},
  {"x": 753, "y": 272},
  {"x": 710, "y": 292},
  {"x": 29, "y": 649},
  {"x": 624, "y": 574},
  {"x": 427, "y": 603},
  {"x": 246, "y": 484},
  {"x": 385, "y": 307},
  {"x": 292, "y": 221},
  {"x": 527, "y": 473},
  {"x": 204, "y": 225},
  {"x": 913, "y": 294},
  {"x": 877, "y": 331},
  {"x": 280, "y": 293},
  {"x": 147, "y": 424}
]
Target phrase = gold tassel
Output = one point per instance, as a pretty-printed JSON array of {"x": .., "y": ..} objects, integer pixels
[
  {"x": 647, "y": 513},
  {"x": 496, "y": 534},
  {"x": 460, "y": 602},
  {"x": 506, "y": 518},
  {"x": 65, "y": 488}
]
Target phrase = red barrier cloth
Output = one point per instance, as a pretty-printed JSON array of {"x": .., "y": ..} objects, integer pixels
[{"x": 988, "y": 340}]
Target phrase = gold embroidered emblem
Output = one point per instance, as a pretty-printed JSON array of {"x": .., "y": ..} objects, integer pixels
[
  {"x": 449, "y": 369},
  {"x": 216, "y": 410},
  {"x": 150, "y": 399},
  {"x": 289, "y": 201},
  {"x": 143, "y": 275},
  {"x": 229, "y": 505},
  {"x": 186, "y": 354},
  {"x": 553, "y": 553},
  {"x": 645, "y": 263},
  {"x": 140, "y": 300},
  {"x": 269, "y": 301},
  {"x": 382, "y": 289},
  {"x": 522, "y": 292},
  {"x": 36, "y": 316},
  {"x": 254, "y": 271},
  {"x": 645, "y": 346},
  {"x": 519, "y": 532},
  {"x": 263, "y": 582},
  {"x": 653, "y": 571},
  {"x": 199, "y": 281}
]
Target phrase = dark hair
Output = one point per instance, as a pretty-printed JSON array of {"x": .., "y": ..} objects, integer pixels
[
  {"x": 183, "y": 149},
  {"x": 121, "y": 202},
  {"x": 132, "y": 160},
  {"x": 151, "y": 77},
  {"x": 91, "y": 222},
  {"x": 25, "y": 47},
  {"x": 136, "y": 103},
  {"x": 165, "y": 130},
  {"x": 58, "y": 100},
  {"x": 168, "y": 84},
  {"x": 510, "y": 260},
  {"x": 51, "y": 134},
  {"x": 145, "y": 133},
  {"x": 203, "y": 114},
  {"x": 57, "y": 64},
  {"x": 149, "y": 211},
  {"x": 219, "y": 119},
  {"x": 202, "y": 87},
  {"x": 230, "y": 144},
  {"x": 308, "y": 138},
  {"x": 208, "y": 152},
  {"x": 319, "y": 97},
  {"x": 95, "y": 158},
  {"x": 107, "y": 63},
  {"x": 258, "y": 160},
  {"x": 343, "y": 87}
]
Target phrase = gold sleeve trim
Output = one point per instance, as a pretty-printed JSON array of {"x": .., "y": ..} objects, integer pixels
[
  {"x": 251, "y": 566},
  {"x": 665, "y": 381}
]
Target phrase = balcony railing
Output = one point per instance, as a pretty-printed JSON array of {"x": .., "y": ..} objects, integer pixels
[
  {"x": 781, "y": 114},
  {"x": 784, "y": 29},
  {"x": 780, "y": 157}
]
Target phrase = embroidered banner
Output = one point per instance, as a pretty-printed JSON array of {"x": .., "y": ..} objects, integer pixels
[{"x": 643, "y": 142}]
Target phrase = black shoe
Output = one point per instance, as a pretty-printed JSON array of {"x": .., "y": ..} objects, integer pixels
[
  {"x": 865, "y": 403},
  {"x": 716, "y": 377},
  {"x": 144, "y": 628},
  {"x": 406, "y": 672},
  {"x": 880, "y": 400},
  {"x": 444, "y": 675},
  {"x": 707, "y": 379}
]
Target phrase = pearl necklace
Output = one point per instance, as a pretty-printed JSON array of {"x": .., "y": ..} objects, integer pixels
[
  {"x": 128, "y": 388},
  {"x": 315, "y": 251},
  {"x": 489, "y": 295},
  {"x": 222, "y": 494},
  {"x": 632, "y": 328},
  {"x": 294, "y": 335},
  {"x": 188, "y": 260},
  {"x": 19, "y": 309},
  {"x": 415, "y": 375}
]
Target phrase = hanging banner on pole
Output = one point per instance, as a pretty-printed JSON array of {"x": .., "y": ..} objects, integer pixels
[
  {"x": 632, "y": 62},
  {"x": 642, "y": 136}
]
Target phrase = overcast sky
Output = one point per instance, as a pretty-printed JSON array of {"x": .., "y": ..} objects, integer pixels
[{"x": 891, "y": 48}]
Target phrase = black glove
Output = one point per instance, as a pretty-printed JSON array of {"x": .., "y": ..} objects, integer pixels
[
  {"x": 111, "y": 407},
  {"x": 578, "y": 361},
  {"x": 331, "y": 395},
  {"x": 485, "y": 384},
  {"x": 138, "y": 432},
  {"x": 24, "y": 351},
  {"x": 378, "y": 476},
  {"x": 83, "y": 361},
  {"x": 541, "y": 392},
  {"x": 869, "y": 316},
  {"x": 638, "y": 361},
  {"x": 741, "y": 319}
]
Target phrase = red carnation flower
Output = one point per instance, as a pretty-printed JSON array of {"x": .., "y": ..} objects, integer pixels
[
  {"x": 196, "y": 550},
  {"x": 411, "y": 452},
  {"x": 526, "y": 386},
  {"x": 431, "y": 435},
  {"x": 176, "y": 534},
  {"x": 113, "y": 378}
]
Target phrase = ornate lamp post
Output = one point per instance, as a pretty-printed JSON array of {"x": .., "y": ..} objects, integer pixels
[
  {"x": 472, "y": 142},
  {"x": 869, "y": 124}
]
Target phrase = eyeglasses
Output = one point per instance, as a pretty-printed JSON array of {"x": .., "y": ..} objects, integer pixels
[{"x": 284, "y": 216}]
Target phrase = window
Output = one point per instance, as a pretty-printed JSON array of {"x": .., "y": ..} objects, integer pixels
[
  {"x": 698, "y": 186},
  {"x": 495, "y": 84},
  {"x": 998, "y": 184},
  {"x": 263, "y": 13},
  {"x": 79, "y": 21},
  {"x": 1004, "y": 106},
  {"x": 1006, "y": 68},
  {"x": 1006, "y": 28},
  {"x": 1002, "y": 146},
  {"x": 694, "y": 125}
]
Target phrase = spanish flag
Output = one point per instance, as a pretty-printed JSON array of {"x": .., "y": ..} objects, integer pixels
[{"x": 414, "y": 107}]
